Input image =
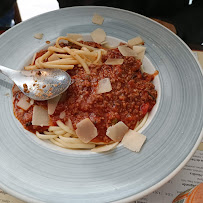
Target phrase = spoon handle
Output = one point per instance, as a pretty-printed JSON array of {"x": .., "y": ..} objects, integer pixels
[{"x": 7, "y": 71}]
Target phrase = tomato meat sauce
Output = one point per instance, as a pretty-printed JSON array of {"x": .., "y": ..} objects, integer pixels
[{"x": 133, "y": 95}]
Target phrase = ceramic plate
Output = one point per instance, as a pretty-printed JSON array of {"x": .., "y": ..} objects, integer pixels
[{"x": 36, "y": 171}]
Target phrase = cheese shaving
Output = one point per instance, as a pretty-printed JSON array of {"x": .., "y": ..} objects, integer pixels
[
  {"x": 135, "y": 41},
  {"x": 62, "y": 115},
  {"x": 38, "y": 35},
  {"x": 126, "y": 51},
  {"x": 117, "y": 131},
  {"x": 97, "y": 19},
  {"x": 40, "y": 116},
  {"x": 52, "y": 104},
  {"x": 140, "y": 51},
  {"x": 23, "y": 103},
  {"x": 98, "y": 35},
  {"x": 104, "y": 86},
  {"x": 86, "y": 130},
  {"x": 111, "y": 61},
  {"x": 133, "y": 140}
]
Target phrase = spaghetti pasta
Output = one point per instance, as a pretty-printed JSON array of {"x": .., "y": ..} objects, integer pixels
[
  {"x": 67, "y": 58},
  {"x": 78, "y": 58},
  {"x": 127, "y": 97}
]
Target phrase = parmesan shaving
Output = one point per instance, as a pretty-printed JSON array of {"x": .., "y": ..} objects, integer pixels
[
  {"x": 38, "y": 35},
  {"x": 52, "y": 104},
  {"x": 133, "y": 140},
  {"x": 104, "y": 86},
  {"x": 111, "y": 61},
  {"x": 23, "y": 103},
  {"x": 40, "y": 116},
  {"x": 98, "y": 35},
  {"x": 140, "y": 51},
  {"x": 117, "y": 131},
  {"x": 62, "y": 115},
  {"x": 126, "y": 51},
  {"x": 86, "y": 130},
  {"x": 104, "y": 43},
  {"x": 135, "y": 41},
  {"x": 97, "y": 19}
]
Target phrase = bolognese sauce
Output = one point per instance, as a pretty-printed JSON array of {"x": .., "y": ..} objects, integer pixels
[{"x": 132, "y": 96}]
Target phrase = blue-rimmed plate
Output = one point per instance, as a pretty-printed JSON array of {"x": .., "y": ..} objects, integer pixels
[{"x": 35, "y": 171}]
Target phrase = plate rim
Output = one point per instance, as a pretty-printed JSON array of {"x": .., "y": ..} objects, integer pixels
[{"x": 175, "y": 171}]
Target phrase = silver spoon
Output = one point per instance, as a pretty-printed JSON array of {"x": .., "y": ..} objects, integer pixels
[{"x": 39, "y": 84}]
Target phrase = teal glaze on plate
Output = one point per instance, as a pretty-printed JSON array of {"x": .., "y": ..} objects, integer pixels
[{"x": 36, "y": 173}]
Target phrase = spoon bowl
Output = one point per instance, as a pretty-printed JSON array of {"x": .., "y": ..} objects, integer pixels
[{"x": 39, "y": 84}]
